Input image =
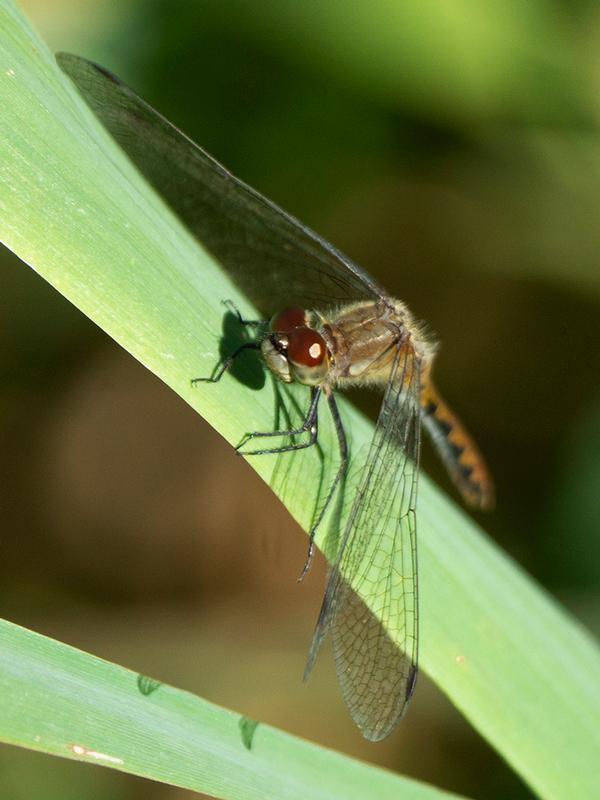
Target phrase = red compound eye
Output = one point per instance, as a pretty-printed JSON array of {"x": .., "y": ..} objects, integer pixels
[
  {"x": 306, "y": 347},
  {"x": 288, "y": 319}
]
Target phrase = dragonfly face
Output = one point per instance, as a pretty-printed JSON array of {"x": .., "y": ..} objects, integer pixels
[
  {"x": 344, "y": 331},
  {"x": 294, "y": 350}
]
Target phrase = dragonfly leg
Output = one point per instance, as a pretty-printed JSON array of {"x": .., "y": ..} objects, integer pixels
[
  {"x": 310, "y": 425},
  {"x": 226, "y": 364},
  {"x": 339, "y": 476}
]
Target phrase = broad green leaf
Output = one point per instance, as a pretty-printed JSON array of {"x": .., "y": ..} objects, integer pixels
[
  {"x": 72, "y": 207},
  {"x": 62, "y": 701}
]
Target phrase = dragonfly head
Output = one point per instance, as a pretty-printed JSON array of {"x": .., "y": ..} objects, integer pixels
[{"x": 294, "y": 351}]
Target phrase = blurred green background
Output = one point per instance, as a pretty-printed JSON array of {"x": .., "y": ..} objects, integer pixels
[{"x": 453, "y": 149}]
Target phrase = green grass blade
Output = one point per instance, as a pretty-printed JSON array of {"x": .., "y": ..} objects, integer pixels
[
  {"x": 73, "y": 208},
  {"x": 59, "y": 700}
]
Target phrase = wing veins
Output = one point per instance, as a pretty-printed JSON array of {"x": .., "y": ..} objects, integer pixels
[
  {"x": 259, "y": 244},
  {"x": 375, "y": 645}
]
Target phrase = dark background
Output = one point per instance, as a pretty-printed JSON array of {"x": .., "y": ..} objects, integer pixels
[{"x": 456, "y": 156}]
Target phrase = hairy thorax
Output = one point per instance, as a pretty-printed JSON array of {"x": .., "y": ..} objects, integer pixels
[{"x": 364, "y": 340}]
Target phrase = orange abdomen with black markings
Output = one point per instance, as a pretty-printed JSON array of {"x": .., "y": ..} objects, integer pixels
[{"x": 462, "y": 459}]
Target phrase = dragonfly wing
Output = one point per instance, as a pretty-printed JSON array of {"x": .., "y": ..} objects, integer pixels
[
  {"x": 274, "y": 258},
  {"x": 375, "y": 643}
]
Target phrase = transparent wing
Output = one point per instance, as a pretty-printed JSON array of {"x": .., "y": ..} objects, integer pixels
[
  {"x": 375, "y": 645},
  {"x": 276, "y": 261}
]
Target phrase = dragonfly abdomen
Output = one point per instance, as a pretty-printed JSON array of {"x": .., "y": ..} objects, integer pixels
[{"x": 457, "y": 450}]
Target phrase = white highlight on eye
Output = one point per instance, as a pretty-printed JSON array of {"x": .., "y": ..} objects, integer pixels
[
  {"x": 315, "y": 350},
  {"x": 10, "y": 72},
  {"x": 80, "y": 750}
]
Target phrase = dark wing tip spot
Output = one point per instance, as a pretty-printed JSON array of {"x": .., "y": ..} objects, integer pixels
[{"x": 411, "y": 681}]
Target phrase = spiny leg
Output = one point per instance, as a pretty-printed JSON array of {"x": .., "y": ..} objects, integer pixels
[
  {"x": 343, "y": 465},
  {"x": 310, "y": 425}
]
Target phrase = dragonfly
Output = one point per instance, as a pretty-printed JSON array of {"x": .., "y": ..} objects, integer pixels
[{"x": 328, "y": 325}]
